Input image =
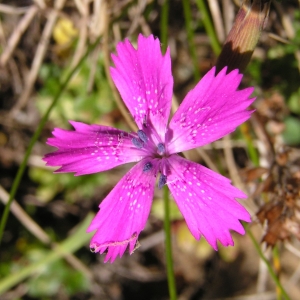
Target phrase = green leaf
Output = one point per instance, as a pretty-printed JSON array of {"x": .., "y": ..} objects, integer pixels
[
  {"x": 291, "y": 134},
  {"x": 294, "y": 102}
]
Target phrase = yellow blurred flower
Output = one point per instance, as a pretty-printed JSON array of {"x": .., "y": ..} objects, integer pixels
[{"x": 64, "y": 32}]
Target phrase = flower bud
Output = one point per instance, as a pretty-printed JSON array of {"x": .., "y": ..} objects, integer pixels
[{"x": 244, "y": 35}]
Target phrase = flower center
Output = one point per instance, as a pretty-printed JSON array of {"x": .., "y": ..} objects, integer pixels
[
  {"x": 156, "y": 150},
  {"x": 142, "y": 141}
]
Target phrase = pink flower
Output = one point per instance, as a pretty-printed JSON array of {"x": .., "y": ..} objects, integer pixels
[{"x": 211, "y": 110}]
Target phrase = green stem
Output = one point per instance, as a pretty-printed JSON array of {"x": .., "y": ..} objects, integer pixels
[
  {"x": 270, "y": 269},
  {"x": 167, "y": 227},
  {"x": 253, "y": 154},
  {"x": 277, "y": 267},
  {"x": 35, "y": 137},
  {"x": 190, "y": 35},
  {"x": 209, "y": 26},
  {"x": 164, "y": 25}
]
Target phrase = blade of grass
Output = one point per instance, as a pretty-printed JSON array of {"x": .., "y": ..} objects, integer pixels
[
  {"x": 253, "y": 154},
  {"x": 35, "y": 137},
  {"x": 70, "y": 245},
  {"x": 164, "y": 25},
  {"x": 277, "y": 267},
  {"x": 209, "y": 26},
  {"x": 270, "y": 269},
  {"x": 190, "y": 35}
]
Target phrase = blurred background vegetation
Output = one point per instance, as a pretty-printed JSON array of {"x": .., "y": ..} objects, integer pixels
[{"x": 45, "y": 251}]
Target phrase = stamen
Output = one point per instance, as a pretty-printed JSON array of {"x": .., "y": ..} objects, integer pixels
[
  {"x": 142, "y": 135},
  {"x": 162, "y": 181},
  {"x": 137, "y": 142},
  {"x": 147, "y": 167},
  {"x": 161, "y": 149},
  {"x": 145, "y": 121}
]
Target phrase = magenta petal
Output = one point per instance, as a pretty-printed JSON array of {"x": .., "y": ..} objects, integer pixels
[
  {"x": 211, "y": 110},
  {"x": 124, "y": 212},
  {"x": 144, "y": 80},
  {"x": 91, "y": 148},
  {"x": 206, "y": 200}
]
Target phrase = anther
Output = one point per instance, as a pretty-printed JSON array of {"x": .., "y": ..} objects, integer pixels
[
  {"x": 161, "y": 149},
  {"x": 147, "y": 167},
  {"x": 162, "y": 181},
  {"x": 137, "y": 142},
  {"x": 142, "y": 135}
]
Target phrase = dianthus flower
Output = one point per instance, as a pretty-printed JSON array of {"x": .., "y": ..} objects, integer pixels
[{"x": 211, "y": 110}]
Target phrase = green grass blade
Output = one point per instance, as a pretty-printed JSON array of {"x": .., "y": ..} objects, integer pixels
[
  {"x": 209, "y": 26},
  {"x": 164, "y": 25},
  {"x": 190, "y": 35},
  {"x": 270, "y": 269},
  {"x": 70, "y": 245}
]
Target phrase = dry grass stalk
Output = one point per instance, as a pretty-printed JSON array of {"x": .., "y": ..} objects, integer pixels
[
  {"x": 17, "y": 34},
  {"x": 39, "y": 56},
  {"x": 217, "y": 19},
  {"x": 40, "y": 3},
  {"x": 11, "y": 10},
  {"x": 228, "y": 15},
  {"x": 136, "y": 15},
  {"x": 285, "y": 21}
]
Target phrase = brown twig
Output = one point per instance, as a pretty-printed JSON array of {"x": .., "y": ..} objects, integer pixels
[
  {"x": 207, "y": 159},
  {"x": 83, "y": 32},
  {"x": 263, "y": 136},
  {"x": 40, "y": 3},
  {"x": 39, "y": 56},
  {"x": 11, "y": 10},
  {"x": 17, "y": 34},
  {"x": 16, "y": 77},
  {"x": 97, "y": 21},
  {"x": 136, "y": 14},
  {"x": 81, "y": 6},
  {"x": 93, "y": 68},
  {"x": 234, "y": 173},
  {"x": 285, "y": 20}
]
